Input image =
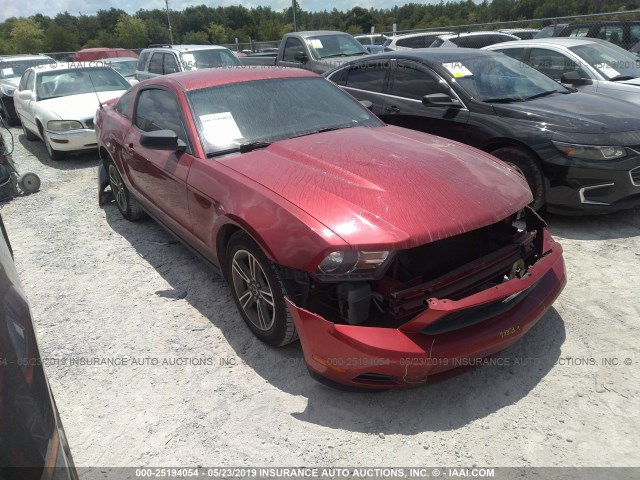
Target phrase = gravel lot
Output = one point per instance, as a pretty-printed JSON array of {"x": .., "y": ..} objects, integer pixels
[{"x": 194, "y": 387}]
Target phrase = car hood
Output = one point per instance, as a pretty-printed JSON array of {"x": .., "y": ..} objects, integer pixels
[
  {"x": 578, "y": 112},
  {"x": 634, "y": 81},
  {"x": 77, "y": 107},
  {"x": 387, "y": 186}
]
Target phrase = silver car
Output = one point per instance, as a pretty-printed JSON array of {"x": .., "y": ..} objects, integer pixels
[{"x": 588, "y": 64}]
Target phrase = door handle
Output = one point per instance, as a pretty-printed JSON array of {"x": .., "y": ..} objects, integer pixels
[{"x": 392, "y": 109}]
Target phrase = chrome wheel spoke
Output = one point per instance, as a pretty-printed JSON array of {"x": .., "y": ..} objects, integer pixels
[
  {"x": 254, "y": 266},
  {"x": 238, "y": 269},
  {"x": 245, "y": 299},
  {"x": 267, "y": 297},
  {"x": 263, "y": 314}
]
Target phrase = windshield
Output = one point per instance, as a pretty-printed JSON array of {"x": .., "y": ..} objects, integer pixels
[
  {"x": 611, "y": 62},
  {"x": 228, "y": 116},
  {"x": 325, "y": 46},
  {"x": 63, "y": 83},
  {"x": 15, "y": 68},
  {"x": 126, "y": 69},
  {"x": 500, "y": 78},
  {"x": 214, "y": 58}
]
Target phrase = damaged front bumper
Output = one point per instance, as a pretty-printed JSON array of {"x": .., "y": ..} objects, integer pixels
[{"x": 424, "y": 348}]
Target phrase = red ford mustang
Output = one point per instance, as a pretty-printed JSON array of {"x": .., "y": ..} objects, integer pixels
[{"x": 394, "y": 255}]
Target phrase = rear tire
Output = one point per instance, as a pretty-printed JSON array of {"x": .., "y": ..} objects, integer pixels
[
  {"x": 127, "y": 204},
  {"x": 525, "y": 164},
  {"x": 258, "y": 291}
]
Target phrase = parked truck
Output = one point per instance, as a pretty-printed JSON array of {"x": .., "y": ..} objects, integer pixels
[{"x": 318, "y": 51}]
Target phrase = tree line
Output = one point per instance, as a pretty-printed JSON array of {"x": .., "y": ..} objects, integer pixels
[{"x": 222, "y": 25}]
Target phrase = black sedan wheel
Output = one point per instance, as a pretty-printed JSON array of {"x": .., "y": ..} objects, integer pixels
[
  {"x": 525, "y": 165},
  {"x": 258, "y": 291}
]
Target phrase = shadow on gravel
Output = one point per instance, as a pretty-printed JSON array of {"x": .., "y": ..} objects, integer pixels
[
  {"x": 443, "y": 406},
  {"x": 72, "y": 161},
  {"x": 623, "y": 224}
]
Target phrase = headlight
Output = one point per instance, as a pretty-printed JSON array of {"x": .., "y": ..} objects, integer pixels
[
  {"x": 59, "y": 125},
  {"x": 352, "y": 264},
  {"x": 590, "y": 152}
]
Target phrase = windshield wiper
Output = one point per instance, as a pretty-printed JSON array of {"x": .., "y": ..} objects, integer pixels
[
  {"x": 327, "y": 129},
  {"x": 503, "y": 100},
  {"x": 242, "y": 148},
  {"x": 541, "y": 94},
  {"x": 335, "y": 55},
  {"x": 622, "y": 77}
]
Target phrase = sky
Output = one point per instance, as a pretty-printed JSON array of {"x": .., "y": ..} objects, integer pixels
[{"x": 50, "y": 8}]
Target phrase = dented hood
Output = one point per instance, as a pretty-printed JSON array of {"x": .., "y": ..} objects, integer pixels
[{"x": 388, "y": 185}]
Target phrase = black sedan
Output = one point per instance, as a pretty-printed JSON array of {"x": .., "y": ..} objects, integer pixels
[
  {"x": 32, "y": 441},
  {"x": 578, "y": 151}
]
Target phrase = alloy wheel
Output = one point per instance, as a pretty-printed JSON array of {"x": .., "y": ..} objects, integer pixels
[{"x": 253, "y": 290}]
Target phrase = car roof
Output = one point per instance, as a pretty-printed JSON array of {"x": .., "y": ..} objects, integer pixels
[
  {"x": 422, "y": 34},
  {"x": 551, "y": 41},
  {"x": 473, "y": 34},
  {"x": 80, "y": 65},
  {"x": 107, "y": 61},
  {"x": 315, "y": 33},
  {"x": 432, "y": 56},
  {"x": 510, "y": 30},
  {"x": 210, "y": 77},
  {"x": 186, "y": 48},
  {"x": 35, "y": 56}
]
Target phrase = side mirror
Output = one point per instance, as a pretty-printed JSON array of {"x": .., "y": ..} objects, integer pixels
[
  {"x": 366, "y": 104},
  {"x": 301, "y": 57},
  {"x": 162, "y": 140},
  {"x": 574, "y": 78},
  {"x": 26, "y": 95},
  {"x": 440, "y": 100}
]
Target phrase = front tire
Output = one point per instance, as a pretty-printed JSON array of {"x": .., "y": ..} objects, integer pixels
[
  {"x": 525, "y": 164},
  {"x": 28, "y": 133},
  {"x": 258, "y": 291},
  {"x": 127, "y": 204},
  {"x": 55, "y": 155}
]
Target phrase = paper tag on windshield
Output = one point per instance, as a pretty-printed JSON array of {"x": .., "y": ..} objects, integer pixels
[
  {"x": 457, "y": 70},
  {"x": 608, "y": 70},
  {"x": 189, "y": 61},
  {"x": 220, "y": 128},
  {"x": 315, "y": 43},
  {"x": 7, "y": 71}
]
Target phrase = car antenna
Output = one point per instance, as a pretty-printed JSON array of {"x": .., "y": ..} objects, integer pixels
[{"x": 95, "y": 91}]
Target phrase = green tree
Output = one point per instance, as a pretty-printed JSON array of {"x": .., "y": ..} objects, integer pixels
[
  {"x": 131, "y": 32},
  {"x": 196, "y": 38},
  {"x": 60, "y": 39},
  {"x": 218, "y": 33},
  {"x": 26, "y": 36}
]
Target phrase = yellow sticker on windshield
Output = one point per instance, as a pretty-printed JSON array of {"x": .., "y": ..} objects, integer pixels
[
  {"x": 315, "y": 43},
  {"x": 457, "y": 70}
]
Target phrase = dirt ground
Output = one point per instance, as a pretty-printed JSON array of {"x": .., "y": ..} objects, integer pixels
[{"x": 190, "y": 385}]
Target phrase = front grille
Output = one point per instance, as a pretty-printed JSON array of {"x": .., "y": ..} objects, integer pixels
[
  {"x": 89, "y": 123},
  {"x": 635, "y": 176}
]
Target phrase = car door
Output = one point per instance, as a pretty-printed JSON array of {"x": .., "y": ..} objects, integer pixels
[
  {"x": 159, "y": 176},
  {"x": 408, "y": 84},
  {"x": 365, "y": 80},
  {"x": 25, "y": 104}
]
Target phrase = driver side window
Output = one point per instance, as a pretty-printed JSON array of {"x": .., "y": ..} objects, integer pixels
[
  {"x": 158, "y": 110},
  {"x": 411, "y": 81},
  {"x": 291, "y": 48}
]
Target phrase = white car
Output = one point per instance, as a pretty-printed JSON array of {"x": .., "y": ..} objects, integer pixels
[
  {"x": 472, "y": 39},
  {"x": 589, "y": 64},
  {"x": 412, "y": 40},
  {"x": 57, "y": 103},
  {"x": 11, "y": 69}
]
